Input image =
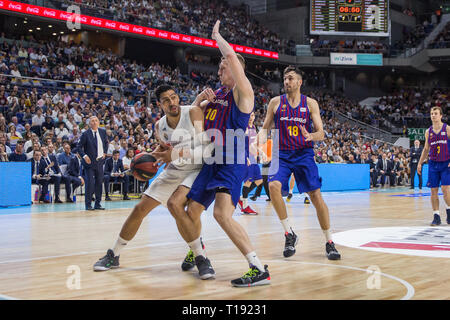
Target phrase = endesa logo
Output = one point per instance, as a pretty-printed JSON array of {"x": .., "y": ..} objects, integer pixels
[
  {"x": 32, "y": 10},
  {"x": 15, "y": 7},
  {"x": 96, "y": 22},
  {"x": 50, "y": 13},
  {"x": 110, "y": 24},
  {"x": 124, "y": 27},
  {"x": 138, "y": 29},
  {"x": 174, "y": 36}
]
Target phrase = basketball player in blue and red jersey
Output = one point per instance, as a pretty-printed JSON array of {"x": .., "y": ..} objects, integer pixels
[
  {"x": 221, "y": 180},
  {"x": 254, "y": 177},
  {"x": 293, "y": 115},
  {"x": 438, "y": 150}
]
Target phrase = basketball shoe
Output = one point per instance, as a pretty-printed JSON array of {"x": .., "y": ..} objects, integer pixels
[
  {"x": 249, "y": 211},
  {"x": 109, "y": 261},
  {"x": 204, "y": 267},
  {"x": 448, "y": 216},
  {"x": 289, "y": 197},
  {"x": 437, "y": 220},
  {"x": 188, "y": 262},
  {"x": 289, "y": 244},
  {"x": 307, "y": 201},
  {"x": 253, "y": 277},
  {"x": 332, "y": 253}
]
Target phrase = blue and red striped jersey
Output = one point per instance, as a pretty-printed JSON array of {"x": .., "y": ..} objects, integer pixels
[
  {"x": 439, "y": 150},
  {"x": 224, "y": 115},
  {"x": 288, "y": 121}
]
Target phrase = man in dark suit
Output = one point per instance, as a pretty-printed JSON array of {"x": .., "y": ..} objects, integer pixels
[
  {"x": 92, "y": 147},
  {"x": 373, "y": 170},
  {"x": 74, "y": 177},
  {"x": 397, "y": 171},
  {"x": 38, "y": 173},
  {"x": 384, "y": 168},
  {"x": 114, "y": 172},
  {"x": 52, "y": 170},
  {"x": 415, "y": 153}
]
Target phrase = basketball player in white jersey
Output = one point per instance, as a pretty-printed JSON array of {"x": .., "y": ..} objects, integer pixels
[{"x": 178, "y": 129}]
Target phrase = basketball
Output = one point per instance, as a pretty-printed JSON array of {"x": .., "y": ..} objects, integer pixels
[{"x": 142, "y": 166}]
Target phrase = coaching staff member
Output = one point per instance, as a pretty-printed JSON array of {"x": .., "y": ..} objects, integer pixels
[
  {"x": 92, "y": 148},
  {"x": 415, "y": 153}
]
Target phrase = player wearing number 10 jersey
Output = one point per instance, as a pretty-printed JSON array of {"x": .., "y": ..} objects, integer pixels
[
  {"x": 438, "y": 149},
  {"x": 293, "y": 115}
]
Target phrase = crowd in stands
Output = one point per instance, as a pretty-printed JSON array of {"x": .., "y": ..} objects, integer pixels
[{"x": 193, "y": 17}]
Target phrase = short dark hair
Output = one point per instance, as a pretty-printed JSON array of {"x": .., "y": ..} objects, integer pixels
[
  {"x": 295, "y": 69},
  {"x": 115, "y": 152},
  {"x": 161, "y": 89}
]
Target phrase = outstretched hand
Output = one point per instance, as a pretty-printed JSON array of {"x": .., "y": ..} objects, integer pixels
[{"x": 215, "y": 31}]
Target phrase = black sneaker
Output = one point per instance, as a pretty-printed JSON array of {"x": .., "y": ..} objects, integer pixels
[
  {"x": 290, "y": 243},
  {"x": 307, "y": 201},
  {"x": 253, "y": 277},
  {"x": 253, "y": 197},
  {"x": 436, "y": 220},
  {"x": 448, "y": 216},
  {"x": 204, "y": 267},
  {"x": 332, "y": 253},
  {"x": 188, "y": 262},
  {"x": 289, "y": 197},
  {"x": 107, "y": 262}
]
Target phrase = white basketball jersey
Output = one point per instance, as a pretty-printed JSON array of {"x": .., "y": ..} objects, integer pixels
[{"x": 183, "y": 136}]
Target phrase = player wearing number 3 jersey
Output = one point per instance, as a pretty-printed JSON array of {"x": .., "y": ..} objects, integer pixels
[
  {"x": 437, "y": 148},
  {"x": 293, "y": 115}
]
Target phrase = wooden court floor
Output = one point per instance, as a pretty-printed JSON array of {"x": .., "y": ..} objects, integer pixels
[{"x": 47, "y": 252}]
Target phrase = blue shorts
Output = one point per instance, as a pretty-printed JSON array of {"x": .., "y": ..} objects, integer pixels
[
  {"x": 438, "y": 174},
  {"x": 214, "y": 176},
  {"x": 301, "y": 163},
  {"x": 254, "y": 173}
]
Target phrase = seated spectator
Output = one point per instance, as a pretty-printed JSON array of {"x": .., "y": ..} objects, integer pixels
[
  {"x": 114, "y": 172},
  {"x": 74, "y": 176},
  {"x": 3, "y": 154},
  {"x": 38, "y": 175},
  {"x": 18, "y": 155},
  {"x": 52, "y": 171}
]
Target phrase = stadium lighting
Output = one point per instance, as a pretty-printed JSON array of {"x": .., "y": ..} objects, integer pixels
[
  {"x": 50, "y": 26},
  {"x": 54, "y": 33},
  {"x": 38, "y": 28},
  {"x": 62, "y": 32},
  {"x": 30, "y": 30}
]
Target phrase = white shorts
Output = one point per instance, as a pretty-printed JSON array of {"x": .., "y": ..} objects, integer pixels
[{"x": 168, "y": 181}]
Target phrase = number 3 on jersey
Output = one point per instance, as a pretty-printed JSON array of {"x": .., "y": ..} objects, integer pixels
[
  {"x": 211, "y": 114},
  {"x": 293, "y": 131}
]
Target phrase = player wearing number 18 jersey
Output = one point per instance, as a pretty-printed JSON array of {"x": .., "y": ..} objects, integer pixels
[
  {"x": 438, "y": 150},
  {"x": 294, "y": 114}
]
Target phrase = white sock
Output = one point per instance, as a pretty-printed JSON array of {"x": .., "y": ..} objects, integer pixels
[
  {"x": 197, "y": 247},
  {"x": 436, "y": 212},
  {"x": 327, "y": 234},
  {"x": 253, "y": 260},
  {"x": 286, "y": 225},
  {"x": 120, "y": 244}
]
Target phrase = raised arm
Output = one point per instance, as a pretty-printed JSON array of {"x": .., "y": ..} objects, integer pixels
[{"x": 245, "y": 95}]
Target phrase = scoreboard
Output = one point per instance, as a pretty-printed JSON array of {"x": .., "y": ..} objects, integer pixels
[{"x": 350, "y": 17}]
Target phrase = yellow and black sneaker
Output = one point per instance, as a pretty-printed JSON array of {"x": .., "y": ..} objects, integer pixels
[
  {"x": 307, "y": 201},
  {"x": 289, "y": 197},
  {"x": 188, "y": 262},
  {"x": 253, "y": 277},
  {"x": 107, "y": 262}
]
